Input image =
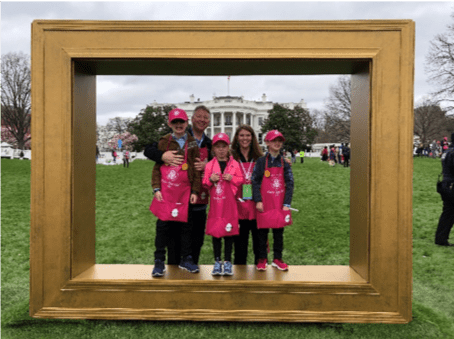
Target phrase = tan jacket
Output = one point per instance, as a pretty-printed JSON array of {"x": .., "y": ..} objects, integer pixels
[{"x": 193, "y": 152}]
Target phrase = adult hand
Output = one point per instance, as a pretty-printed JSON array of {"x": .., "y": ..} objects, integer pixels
[
  {"x": 285, "y": 208},
  {"x": 199, "y": 165},
  {"x": 158, "y": 195},
  {"x": 172, "y": 158},
  {"x": 259, "y": 206},
  {"x": 215, "y": 177},
  {"x": 227, "y": 176},
  {"x": 193, "y": 198}
]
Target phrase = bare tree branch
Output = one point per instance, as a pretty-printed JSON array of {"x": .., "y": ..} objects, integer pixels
[
  {"x": 337, "y": 112},
  {"x": 439, "y": 66},
  {"x": 15, "y": 100}
]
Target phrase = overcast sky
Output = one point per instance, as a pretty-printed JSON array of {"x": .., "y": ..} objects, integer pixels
[{"x": 126, "y": 96}]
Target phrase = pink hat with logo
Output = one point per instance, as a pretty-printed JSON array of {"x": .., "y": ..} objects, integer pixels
[
  {"x": 177, "y": 113},
  {"x": 271, "y": 135},
  {"x": 221, "y": 137}
]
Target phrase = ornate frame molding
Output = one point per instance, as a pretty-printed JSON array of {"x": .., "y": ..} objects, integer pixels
[{"x": 65, "y": 281}]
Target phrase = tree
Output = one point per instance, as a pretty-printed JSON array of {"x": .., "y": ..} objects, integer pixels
[
  {"x": 127, "y": 139},
  {"x": 9, "y": 138},
  {"x": 295, "y": 124},
  {"x": 430, "y": 121},
  {"x": 338, "y": 110},
  {"x": 440, "y": 66},
  {"x": 118, "y": 124},
  {"x": 150, "y": 125},
  {"x": 320, "y": 126},
  {"x": 16, "y": 97}
]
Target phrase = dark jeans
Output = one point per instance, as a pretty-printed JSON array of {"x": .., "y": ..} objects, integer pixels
[
  {"x": 197, "y": 220},
  {"x": 164, "y": 238},
  {"x": 125, "y": 162},
  {"x": 346, "y": 161},
  {"x": 241, "y": 242},
  {"x": 446, "y": 221},
  {"x": 217, "y": 248},
  {"x": 278, "y": 242}
]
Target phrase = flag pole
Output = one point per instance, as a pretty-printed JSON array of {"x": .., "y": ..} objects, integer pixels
[{"x": 228, "y": 85}]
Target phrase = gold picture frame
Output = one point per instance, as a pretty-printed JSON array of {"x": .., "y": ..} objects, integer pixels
[{"x": 65, "y": 281}]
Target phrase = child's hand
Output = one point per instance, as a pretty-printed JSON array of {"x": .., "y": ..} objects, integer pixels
[
  {"x": 193, "y": 198},
  {"x": 285, "y": 208},
  {"x": 214, "y": 177},
  {"x": 259, "y": 206},
  {"x": 158, "y": 195},
  {"x": 227, "y": 177}
]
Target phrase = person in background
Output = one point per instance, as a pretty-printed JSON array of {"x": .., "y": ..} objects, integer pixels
[
  {"x": 446, "y": 191},
  {"x": 302, "y": 156},
  {"x": 125, "y": 158},
  {"x": 346, "y": 154}
]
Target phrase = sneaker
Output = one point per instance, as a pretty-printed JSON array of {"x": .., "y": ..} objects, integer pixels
[
  {"x": 188, "y": 264},
  {"x": 280, "y": 265},
  {"x": 217, "y": 269},
  {"x": 261, "y": 266},
  {"x": 228, "y": 268},
  {"x": 159, "y": 268}
]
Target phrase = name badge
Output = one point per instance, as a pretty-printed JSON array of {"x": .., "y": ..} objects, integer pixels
[{"x": 247, "y": 192}]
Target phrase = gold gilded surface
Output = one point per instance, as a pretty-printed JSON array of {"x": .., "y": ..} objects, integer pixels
[{"x": 65, "y": 282}]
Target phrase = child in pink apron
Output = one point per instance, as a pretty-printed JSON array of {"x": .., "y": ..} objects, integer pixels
[
  {"x": 272, "y": 190},
  {"x": 174, "y": 187},
  {"x": 222, "y": 177}
]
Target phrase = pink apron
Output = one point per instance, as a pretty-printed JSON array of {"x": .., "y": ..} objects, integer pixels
[
  {"x": 273, "y": 193},
  {"x": 203, "y": 196},
  {"x": 222, "y": 218},
  {"x": 246, "y": 209},
  {"x": 176, "y": 190}
]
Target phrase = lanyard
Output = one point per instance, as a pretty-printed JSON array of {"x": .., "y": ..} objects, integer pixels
[{"x": 247, "y": 174}]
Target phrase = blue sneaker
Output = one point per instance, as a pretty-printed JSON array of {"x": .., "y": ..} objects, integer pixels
[
  {"x": 228, "y": 268},
  {"x": 159, "y": 268},
  {"x": 188, "y": 264},
  {"x": 217, "y": 269}
]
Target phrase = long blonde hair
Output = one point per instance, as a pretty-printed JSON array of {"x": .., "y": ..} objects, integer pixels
[{"x": 255, "y": 151}]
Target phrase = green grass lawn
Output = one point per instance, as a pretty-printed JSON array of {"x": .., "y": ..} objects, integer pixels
[{"x": 320, "y": 236}]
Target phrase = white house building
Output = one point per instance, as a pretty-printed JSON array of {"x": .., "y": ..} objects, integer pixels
[{"x": 228, "y": 112}]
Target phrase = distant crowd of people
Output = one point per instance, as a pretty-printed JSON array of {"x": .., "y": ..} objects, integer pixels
[
  {"x": 435, "y": 149},
  {"x": 336, "y": 155}
]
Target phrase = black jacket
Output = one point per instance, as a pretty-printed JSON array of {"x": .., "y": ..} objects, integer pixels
[{"x": 447, "y": 163}]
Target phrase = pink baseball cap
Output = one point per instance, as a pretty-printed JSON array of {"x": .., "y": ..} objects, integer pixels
[
  {"x": 177, "y": 113},
  {"x": 271, "y": 135},
  {"x": 221, "y": 137}
]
